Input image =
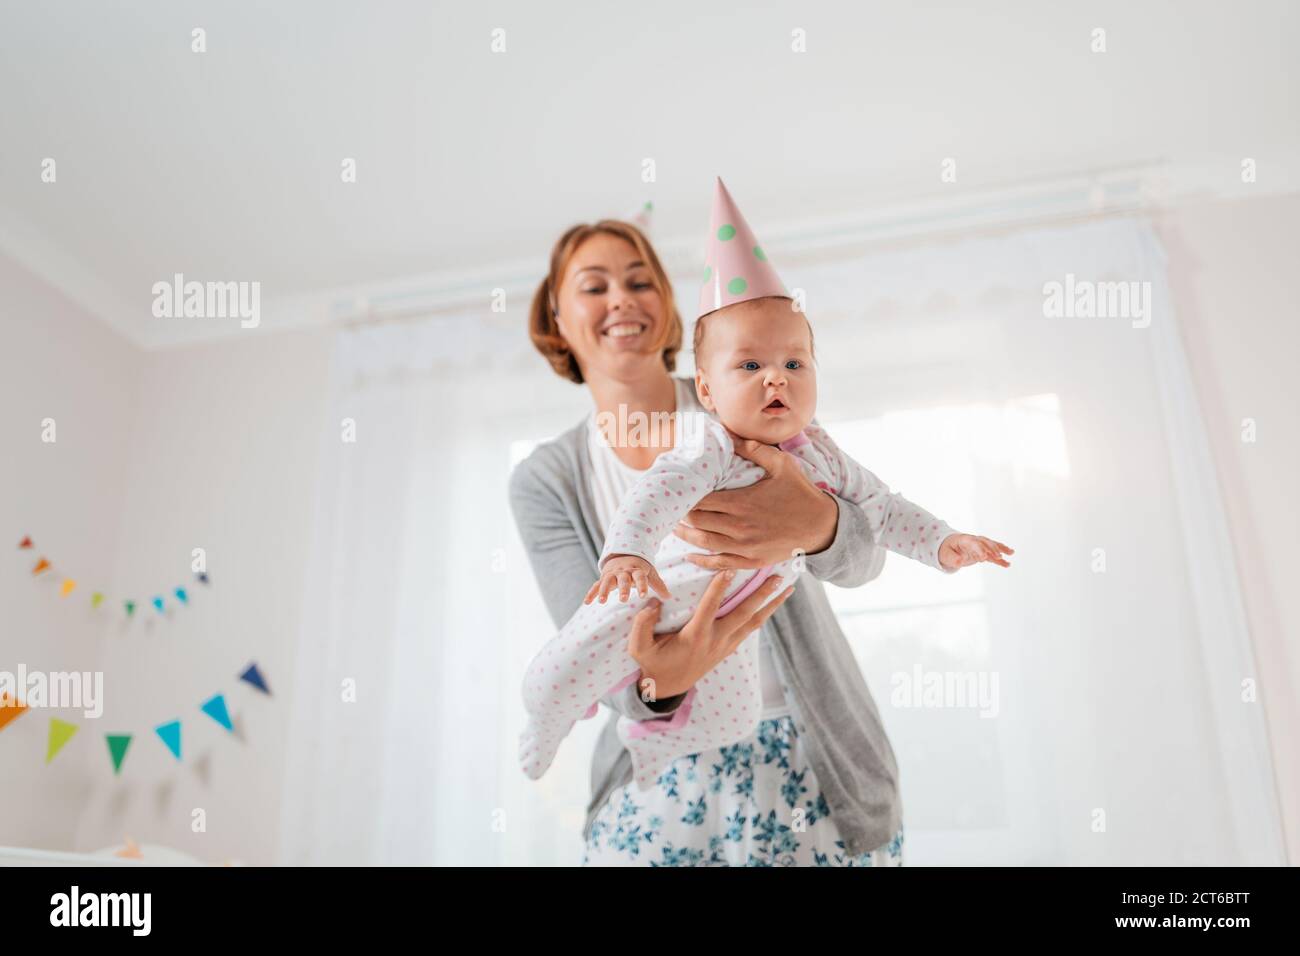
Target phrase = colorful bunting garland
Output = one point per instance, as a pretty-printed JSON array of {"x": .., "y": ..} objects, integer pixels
[
  {"x": 61, "y": 731},
  {"x": 68, "y": 585}
]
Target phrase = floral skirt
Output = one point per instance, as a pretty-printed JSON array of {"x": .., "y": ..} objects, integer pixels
[{"x": 754, "y": 803}]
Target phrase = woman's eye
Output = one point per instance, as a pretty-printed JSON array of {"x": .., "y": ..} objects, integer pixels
[
  {"x": 642, "y": 285},
  {"x": 594, "y": 290}
]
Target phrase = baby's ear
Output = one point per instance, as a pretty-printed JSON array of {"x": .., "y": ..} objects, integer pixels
[{"x": 702, "y": 391}]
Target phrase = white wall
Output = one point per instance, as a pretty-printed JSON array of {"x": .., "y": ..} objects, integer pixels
[
  {"x": 1232, "y": 267},
  {"x": 226, "y": 458},
  {"x": 56, "y": 362},
  {"x": 158, "y": 453}
]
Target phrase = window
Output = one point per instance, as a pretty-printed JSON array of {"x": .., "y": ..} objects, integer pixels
[{"x": 924, "y": 640}]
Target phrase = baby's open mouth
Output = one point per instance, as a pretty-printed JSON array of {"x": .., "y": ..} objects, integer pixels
[{"x": 776, "y": 405}]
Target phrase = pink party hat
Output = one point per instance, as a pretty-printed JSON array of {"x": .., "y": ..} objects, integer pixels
[{"x": 735, "y": 267}]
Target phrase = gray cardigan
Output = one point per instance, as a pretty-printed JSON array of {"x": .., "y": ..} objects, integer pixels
[{"x": 834, "y": 714}]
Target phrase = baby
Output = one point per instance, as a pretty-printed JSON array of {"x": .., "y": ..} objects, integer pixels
[{"x": 754, "y": 370}]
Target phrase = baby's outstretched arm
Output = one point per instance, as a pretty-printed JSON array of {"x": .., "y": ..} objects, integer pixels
[
  {"x": 902, "y": 526},
  {"x": 959, "y": 550},
  {"x": 622, "y": 572}
]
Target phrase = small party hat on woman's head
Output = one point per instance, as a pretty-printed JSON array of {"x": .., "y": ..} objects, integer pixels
[
  {"x": 643, "y": 216},
  {"x": 735, "y": 267}
]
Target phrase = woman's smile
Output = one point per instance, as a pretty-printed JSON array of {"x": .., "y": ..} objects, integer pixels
[
  {"x": 625, "y": 328},
  {"x": 626, "y": 331}
]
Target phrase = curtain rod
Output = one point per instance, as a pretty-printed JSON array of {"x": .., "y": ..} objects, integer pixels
[{"x": 1084, "y": 198}]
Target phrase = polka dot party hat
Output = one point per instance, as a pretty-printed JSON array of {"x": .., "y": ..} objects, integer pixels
[{"x": 735, "y": 267}]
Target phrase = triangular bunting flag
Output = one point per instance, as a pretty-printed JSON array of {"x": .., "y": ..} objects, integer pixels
[
  {"x": 254, "y": 677},
  {"x": 130, "y": 608},
  {"x": 171, "y": 736},
  {"x": 158, "y": 603},
  {"x": 96, "y": 599},
  {"x": 203, "y": 577},
  {"x": 68, "y": 585},
  {"x": 10, "y": 709},
  {"x": 117, "y": 744},
  {"x": 131, "y": 851},
  {"x": 182, "y": 596},
  {"x": 41, "y": 565},
  {"x": 25, "y": 543},
  {"x": 216, "y": 709},
  {"x": 60, "y": 733}
]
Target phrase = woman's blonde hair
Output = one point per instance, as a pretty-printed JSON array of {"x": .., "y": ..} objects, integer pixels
[{"x": 542, "y": 326}]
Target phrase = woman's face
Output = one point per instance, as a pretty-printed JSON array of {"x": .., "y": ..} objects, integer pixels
[{"x": 609, "y": 310}]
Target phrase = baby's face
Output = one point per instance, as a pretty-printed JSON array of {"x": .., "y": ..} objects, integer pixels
[{"x": 757, "y": 372}]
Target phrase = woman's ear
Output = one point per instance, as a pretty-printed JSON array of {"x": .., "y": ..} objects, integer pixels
[{"x": 702, "y": 391}]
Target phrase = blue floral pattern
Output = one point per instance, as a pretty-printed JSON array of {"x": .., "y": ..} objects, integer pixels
[{"x": 754, "y": 803}]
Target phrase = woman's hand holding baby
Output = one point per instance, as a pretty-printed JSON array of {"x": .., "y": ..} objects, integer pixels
[
  {"x": 672, "y": 663},
  {"x": 623, "y": 572},
  {"x": 959, "y": 550},
  {"x": 764, "y": 523}
]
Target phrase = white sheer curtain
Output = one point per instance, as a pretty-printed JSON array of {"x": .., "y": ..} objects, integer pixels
[{"x": 1117, "y": 733}]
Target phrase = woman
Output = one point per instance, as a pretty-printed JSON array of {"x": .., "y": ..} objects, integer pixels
[{"x": 817, "y": 784}]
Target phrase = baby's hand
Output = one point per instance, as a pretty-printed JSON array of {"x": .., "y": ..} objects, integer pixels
[
  {"x": 623, "y": 571},
  {"x": 959, "y": 550}
]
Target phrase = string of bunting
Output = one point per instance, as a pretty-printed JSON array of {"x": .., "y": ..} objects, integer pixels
[
  {"x": 177, "y": 595},
  {"x": 61, "y": 731}
]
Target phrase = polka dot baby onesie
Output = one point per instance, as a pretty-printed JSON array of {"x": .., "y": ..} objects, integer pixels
[{"x": 588, "y": 659}]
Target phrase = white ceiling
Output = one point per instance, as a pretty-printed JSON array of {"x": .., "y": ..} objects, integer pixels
[{"x": 225, "y": 165}]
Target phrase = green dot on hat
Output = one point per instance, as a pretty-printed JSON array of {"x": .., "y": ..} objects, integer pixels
[
  {"x": 708, "y": 273},
  {"x": 737, "y": 286},
  {"x": 726, "y": 232},
  {"x": 760, "y": 254}
]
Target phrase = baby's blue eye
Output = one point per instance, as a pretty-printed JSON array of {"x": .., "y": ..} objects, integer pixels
[
  {"x": 751, "y": 366},
  {"x": 793, "y": 363}
]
